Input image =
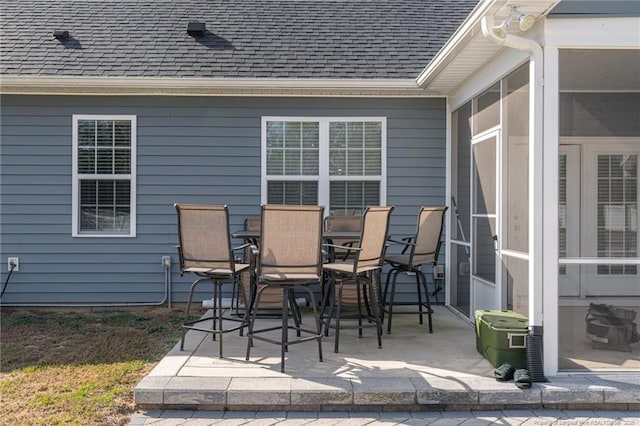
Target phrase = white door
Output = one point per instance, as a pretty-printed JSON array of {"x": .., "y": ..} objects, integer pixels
[
  {"x": 610, "y": 217},
  {"x": 599, "y": 217},
  {"x": 484, "y": 194}
]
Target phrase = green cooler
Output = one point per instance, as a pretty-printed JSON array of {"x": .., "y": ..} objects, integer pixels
[{"x": 501, "y": 337}]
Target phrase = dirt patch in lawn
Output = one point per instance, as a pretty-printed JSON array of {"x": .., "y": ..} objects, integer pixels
[{"x": 79, "y": 365}]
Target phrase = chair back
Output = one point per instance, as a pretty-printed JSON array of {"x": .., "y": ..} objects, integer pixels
[
  {"x": 375, "y": 227},
  {"x": 291, "y": 239},
  {"x": 270, "y": 297},
  {"x": 203, "y": 234},
  {"x": 428, "y": 235},
  {"x": 343, "y": 223},
  {"x": 252, "y": 223}
]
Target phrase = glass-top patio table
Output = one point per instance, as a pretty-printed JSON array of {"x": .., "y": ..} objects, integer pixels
[
  {"x": 252, "y": 235},
  {"x": 328, "y": 235}
]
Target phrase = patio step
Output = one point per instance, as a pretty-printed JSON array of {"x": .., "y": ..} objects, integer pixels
[{"x": 388, "y": 394}]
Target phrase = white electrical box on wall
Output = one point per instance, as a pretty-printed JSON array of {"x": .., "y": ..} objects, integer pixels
[{"x": 438, "y": 272}]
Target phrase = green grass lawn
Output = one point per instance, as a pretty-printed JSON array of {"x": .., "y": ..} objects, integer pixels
[{"x": 79, "y": 366}]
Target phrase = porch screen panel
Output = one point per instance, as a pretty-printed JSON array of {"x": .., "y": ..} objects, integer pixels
[
  {"x": 462, "y": 117},
  {"x": 599, "y": 251},
  {"x": 515, "y": 184},
  {"x": 483, "y": 247},
  {"x": 484, "y": 214},
  {"x": 461, "y": 277},
  {"x": 599, "y": 92},
  {"x": 487, "y": 110},
  {"x": 515, "y": 275},
  {"x": 460, "y": 230},
  {"x": 485, "y": 178}
]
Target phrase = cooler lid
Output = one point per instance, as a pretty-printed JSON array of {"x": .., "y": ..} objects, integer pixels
[{"x": 505, "y": 320}]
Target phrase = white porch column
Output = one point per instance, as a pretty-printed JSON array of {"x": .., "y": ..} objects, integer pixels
[
  {"x": 549, "y": 213},
  {"x": 536, "y": 163},
  {"x": 536, "y": 192}
]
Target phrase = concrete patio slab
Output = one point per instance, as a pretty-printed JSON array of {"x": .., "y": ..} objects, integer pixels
[{"x": 414, "y": 370}]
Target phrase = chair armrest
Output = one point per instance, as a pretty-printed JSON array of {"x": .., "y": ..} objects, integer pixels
[
  {"x": 342, "y": 247},
  {"x": 406, "y": 242},
  {"x": 241, "y": 247},
  {"x": 348, "y": 247},
  {"x": 254, "y": 251}
]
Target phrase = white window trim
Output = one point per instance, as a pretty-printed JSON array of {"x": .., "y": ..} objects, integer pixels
[
  {"x": 323, "y": 177},
  {"x": 75, "y": 179}
]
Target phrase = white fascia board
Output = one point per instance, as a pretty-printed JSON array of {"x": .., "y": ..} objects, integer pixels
[
  {"x": 209, "y": 86},
  {"x": 607, "y": 32},
  {"x": 457, "y": 41}
]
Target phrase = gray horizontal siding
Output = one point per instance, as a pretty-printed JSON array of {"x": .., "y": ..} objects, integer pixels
[{"x": 190, "y": 150}]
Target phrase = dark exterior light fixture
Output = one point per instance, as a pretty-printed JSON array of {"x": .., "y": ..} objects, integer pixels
[
  {"x": 61, "y": 34},
  {"x": 196, "y": 29}
]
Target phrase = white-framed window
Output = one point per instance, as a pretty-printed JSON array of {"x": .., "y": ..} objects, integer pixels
[
  {"x": 339, "y": 163},
  {"x": 104, "y": 176}
]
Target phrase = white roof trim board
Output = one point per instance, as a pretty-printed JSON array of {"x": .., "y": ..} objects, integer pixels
[{"x": 208, "y": 86}]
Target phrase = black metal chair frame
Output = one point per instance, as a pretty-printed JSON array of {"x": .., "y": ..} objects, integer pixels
[
  {"x": 367, "y": 290},
  {"x": 288, "y": 285},
  {"x": 218, "y": 280},
  {"x": 410, "y": 266}
]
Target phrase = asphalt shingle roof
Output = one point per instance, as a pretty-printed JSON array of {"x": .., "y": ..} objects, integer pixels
[{"x": 247, "y": 39}]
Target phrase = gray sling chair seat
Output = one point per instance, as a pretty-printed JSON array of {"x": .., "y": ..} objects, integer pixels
[
  {"x": 205, "y": 250},
  {"x": 289, "y": 258},
  {"x": 361, "y": 271},
  {"x": 420, "y": 249}
]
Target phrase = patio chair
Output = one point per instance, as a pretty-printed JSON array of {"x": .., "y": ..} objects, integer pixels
[
  {"x": 341, "y": 245},
  {"x": 422, "y": 248},
  {"x": 289, "y": 258},
  {"x": 270, "y": 300},
  {"x": 360, "y": 272},
  {"x": 205, "y": 250}
]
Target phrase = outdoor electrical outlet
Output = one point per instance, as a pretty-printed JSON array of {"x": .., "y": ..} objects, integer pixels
[
  {"x": 438, "y": 272},
  {"x": 15, "y": 262},
  {"x": 166, "y": 261}
]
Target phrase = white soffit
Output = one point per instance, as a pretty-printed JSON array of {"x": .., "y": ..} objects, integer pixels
[
  {"x": 460, "y": 59},
  {"x": 475, "y": 54}
]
